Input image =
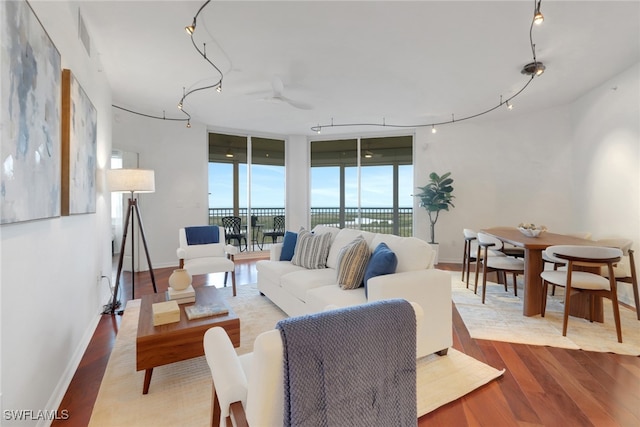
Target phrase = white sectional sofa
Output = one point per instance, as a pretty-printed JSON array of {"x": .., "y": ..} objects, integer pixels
[{"x": 298, "y": 290}]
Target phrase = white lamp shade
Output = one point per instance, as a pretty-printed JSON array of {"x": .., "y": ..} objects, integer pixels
[{"x": 131, "y": 180}]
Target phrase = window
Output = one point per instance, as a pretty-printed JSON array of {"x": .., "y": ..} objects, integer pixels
[
  {"x": 363, "y": 183},
  {"x": 246, "y": 179}
]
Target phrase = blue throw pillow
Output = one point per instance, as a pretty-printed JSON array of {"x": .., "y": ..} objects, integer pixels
[
  {"x": 288, "y": 245},
  {"x": 383, "y": 261}
]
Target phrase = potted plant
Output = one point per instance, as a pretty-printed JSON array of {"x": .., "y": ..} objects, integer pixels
[{"x": 436, "y": 196}]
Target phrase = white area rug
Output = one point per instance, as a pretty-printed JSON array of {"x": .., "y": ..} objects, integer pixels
[
  {"x": 501, "y": 319},
  {"x": 180, "y": 393}
]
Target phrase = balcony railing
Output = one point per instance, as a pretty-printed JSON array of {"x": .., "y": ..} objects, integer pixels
[{"x": 376, "y": 220}]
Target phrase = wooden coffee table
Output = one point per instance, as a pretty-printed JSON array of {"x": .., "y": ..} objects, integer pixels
[{"x": 173, "y": 342}]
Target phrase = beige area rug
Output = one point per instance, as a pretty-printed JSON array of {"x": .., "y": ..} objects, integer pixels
[
  {"x": 180, "y": 393},
  {"x": 501, "y": 319}
]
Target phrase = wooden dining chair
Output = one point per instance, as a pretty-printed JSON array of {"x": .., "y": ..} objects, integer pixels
[
  {"x": 558, "y": 263},
  {"x": 625, "y": 270},
  {"x": 469, "y": 253},
  {"x": 500, "y": 264},
  {"x": 582, "y": 281}
]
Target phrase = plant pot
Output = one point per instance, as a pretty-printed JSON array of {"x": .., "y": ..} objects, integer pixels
[
  {"x": 180, "y": 279},
  {"x": 436, "y": 248}
]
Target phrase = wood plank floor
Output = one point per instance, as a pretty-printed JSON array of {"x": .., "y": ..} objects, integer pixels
[{"x": 542, "y": 386}]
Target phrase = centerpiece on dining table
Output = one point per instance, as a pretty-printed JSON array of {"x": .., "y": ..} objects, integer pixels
[{"x": 531, "y": 230}]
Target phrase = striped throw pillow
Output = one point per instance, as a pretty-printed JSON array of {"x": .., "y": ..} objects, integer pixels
[
  {"x": 311, "y": 250},
  {"x": 352, "y": 262}
]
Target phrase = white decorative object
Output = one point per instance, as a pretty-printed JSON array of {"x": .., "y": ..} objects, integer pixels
[
  {"x": 180, "y": 279},
  {"x": 530, "y": 230}
]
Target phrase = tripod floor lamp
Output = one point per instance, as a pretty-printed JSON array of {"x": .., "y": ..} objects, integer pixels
[{"x": 130, "y": 181}]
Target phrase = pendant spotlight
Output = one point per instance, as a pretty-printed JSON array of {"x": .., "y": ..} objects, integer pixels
[{"x": 538, "y": 17}]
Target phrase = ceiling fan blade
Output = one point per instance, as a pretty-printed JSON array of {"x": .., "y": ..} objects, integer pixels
[
  {"x": 296, "y": 104},
  {"x": 277, "y": 85}
]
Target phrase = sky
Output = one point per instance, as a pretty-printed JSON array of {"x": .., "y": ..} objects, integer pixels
[{"x": 268, "y": 186}]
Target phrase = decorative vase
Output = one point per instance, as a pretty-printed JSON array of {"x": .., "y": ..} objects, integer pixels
[{"x": 180, "y": 279}]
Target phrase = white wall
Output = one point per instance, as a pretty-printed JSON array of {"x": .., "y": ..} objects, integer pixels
[
  {"x": 51, "y": 295},
  {"x": 505, "y": 172},
  {"x": 178, "y": 155},
  {"x": 606, "y": 161}
]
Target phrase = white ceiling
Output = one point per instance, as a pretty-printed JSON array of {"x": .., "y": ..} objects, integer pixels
[{"x": 354, "y": 62}]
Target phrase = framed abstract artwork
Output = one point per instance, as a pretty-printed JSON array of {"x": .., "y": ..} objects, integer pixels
[
  {"x": 79, "y": 148},
  {"x": 30, "y": 128}
]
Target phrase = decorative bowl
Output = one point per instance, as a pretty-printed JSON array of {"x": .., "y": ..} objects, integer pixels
[{"x": 532, "y": 232}]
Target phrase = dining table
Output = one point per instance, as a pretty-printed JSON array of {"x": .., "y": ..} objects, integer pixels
[{"x": 534, "y": 265}]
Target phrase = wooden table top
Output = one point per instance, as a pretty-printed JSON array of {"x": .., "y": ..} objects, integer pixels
[
  {"x": 204, "y": 295},
  {"x": 543, "y": 241}
]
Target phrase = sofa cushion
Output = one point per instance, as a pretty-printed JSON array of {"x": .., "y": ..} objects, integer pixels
[
  {"x": 273, "y": 271},
  {"x": 288, "y": 245},
  {"x": 352, "y": 261},
  {"x": 297, "y": 283},
  {"x": 413, "y": 253},
  {"x": 383, "y": 261},
  {"x": 311, "y": 250},
  {"x": 319, "y": 298}
]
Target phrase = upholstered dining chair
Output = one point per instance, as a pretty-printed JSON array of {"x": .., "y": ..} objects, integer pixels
[
  {"x": 202, "y": 251},
  {"x": 559, "y": 263},
  {"x": 583, "y": 281},
  {"x": 276, "y": 231},
  {"x": 500, "y": 264},
  {"x": 233, "y": 230},
  {"x": 625, "y": 270}
]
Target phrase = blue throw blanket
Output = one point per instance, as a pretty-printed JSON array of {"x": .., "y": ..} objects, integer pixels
[
  {"x": 351, "y": 366},
  {"x": 202, "y": 235}
]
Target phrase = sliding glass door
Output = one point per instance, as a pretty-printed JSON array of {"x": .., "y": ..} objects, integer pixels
[
  {"x": 364, "y": 183},
  {"x": 246, "y": 179}
]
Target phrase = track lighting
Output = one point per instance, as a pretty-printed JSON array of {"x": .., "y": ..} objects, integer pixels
[
  {"x": 219, "y": 88},
  {"x": 179, "y": 105},
  {"x": 538, "y": 18},
  {"x": 191, "y": 28},
  {"x": 533, "y": 68},
  {"x": 189, "y": 123}
]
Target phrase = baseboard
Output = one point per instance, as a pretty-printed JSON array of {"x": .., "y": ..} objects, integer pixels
[{"x": 63, "y": 384}]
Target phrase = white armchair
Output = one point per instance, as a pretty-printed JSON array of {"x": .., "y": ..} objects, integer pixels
[
  {"x": 208, "y": 257},
  {"x": 250, "y": 388}
]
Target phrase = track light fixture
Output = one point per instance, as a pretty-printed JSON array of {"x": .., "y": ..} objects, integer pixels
[
  {"x": 191, "y": 28},
  {"x": 532, "y": 69},
  {"x": 538, "y": 17},
  {"x": 218, "y": 85}
]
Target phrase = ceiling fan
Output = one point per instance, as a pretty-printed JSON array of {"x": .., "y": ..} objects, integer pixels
[{"x": 276, "y": 96}]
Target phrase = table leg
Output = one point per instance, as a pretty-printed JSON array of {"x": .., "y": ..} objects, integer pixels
[
  {"x": 533, "y": 265},
  {"x": 147, "y": 380}
]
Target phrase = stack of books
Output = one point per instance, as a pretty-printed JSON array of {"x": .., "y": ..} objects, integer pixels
[
  {"x": 199, "y": 311},
  {"x": 181, "y": 297}
]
